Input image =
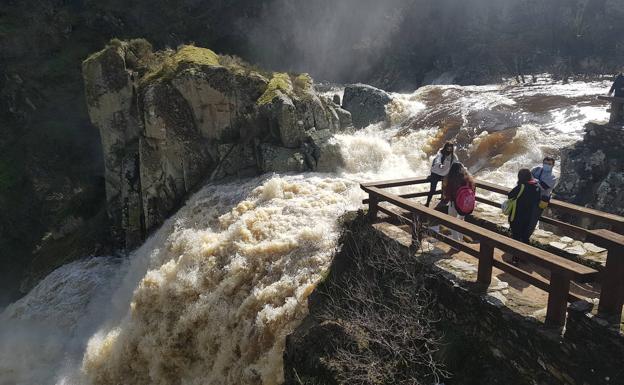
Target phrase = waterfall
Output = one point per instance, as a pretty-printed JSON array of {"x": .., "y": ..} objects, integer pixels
[{"x": 211, "y": 296}]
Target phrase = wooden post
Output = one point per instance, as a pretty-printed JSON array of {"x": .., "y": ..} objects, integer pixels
[
  {"x": 557, "y": 298},
  {"x": 612, "y": 285},
  {"x": 373, "y": 202},
  {"x": 486, "y": 258}
]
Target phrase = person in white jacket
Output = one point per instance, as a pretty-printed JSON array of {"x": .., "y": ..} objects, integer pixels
[
  {"x": 440, "y": 167},
  {"x": 547, "y": 179}
]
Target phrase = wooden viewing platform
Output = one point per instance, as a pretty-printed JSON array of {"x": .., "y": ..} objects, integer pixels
[
  {"x": 616, "y": 110},
  {"x": 400, "y": 209}
]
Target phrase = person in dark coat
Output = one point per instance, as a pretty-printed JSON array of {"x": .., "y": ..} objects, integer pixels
[
  {"x": 617, "y": 89},
  {"x": 526, "y": 206}
]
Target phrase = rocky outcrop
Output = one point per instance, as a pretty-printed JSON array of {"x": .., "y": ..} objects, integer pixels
[
  {"x": 366, "y": 104},
  {"x": 380, "y": 305},
  {"x": 592, "y": 170},
  {"x": 170, "y": 119}
]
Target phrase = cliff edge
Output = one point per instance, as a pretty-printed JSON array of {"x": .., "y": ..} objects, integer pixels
[{"x": 170, "y": 119}]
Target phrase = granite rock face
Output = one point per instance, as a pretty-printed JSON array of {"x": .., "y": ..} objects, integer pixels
[
  {"x": 592, "y": 170},
  {"x": 366, "y": 104},
  {"x": 168, "y": 120}
]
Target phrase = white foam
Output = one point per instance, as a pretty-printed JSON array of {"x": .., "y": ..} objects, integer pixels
[{"x": 211, "y": 296}]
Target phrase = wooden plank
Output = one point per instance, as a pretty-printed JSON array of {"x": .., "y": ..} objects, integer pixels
[
  {"x": 474, "y": 251},
  {"x": 539, "y": 256},
  {"x": 532, "y": 279},
  {"x": 398, "y": 218},
  {"x": 607, "y": 239},
  {"x": 412, "y": 195},
  {"x": 498, "y": 262},
  {"x": 488, "y": 202},
  {"x": 396, "y": 182},
  {"x": 568, "y": 228},
  {"x": 612, "y": 219},
  {"x": 615, "y": 220},
  {"x": 492, "y": 187},
  {"x": 611, "y": 98},
  {"x": 470, "y": 249}
]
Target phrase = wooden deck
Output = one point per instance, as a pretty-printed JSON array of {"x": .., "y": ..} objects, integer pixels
[{"x": 557, "y": 272}]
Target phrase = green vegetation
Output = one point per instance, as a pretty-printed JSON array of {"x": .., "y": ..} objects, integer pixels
[
  {"x": 172, "y": 62},
  {"x": 279, "y": 83},
  {"x": 287, "y": 84}
]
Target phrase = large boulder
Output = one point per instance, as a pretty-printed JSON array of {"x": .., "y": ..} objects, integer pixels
[
  {"x": 592, "y": 170},
  {"x": 322, "y": 152},
  {"x": 172, "y": 119},
  {"x": 293, "y": 108},
  {"x": 281, "y": 159},
  {"x": 366, "y": 104}
]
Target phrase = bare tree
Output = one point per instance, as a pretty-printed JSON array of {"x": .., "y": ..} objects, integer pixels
[{"x": 386, "y": 312}]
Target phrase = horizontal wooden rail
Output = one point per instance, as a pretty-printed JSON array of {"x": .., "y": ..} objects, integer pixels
[
  {"x": 396, "y": 182},
  {"x": 502, "y": 242},
  {"x": 473, "y": 250},
  {"x": 562, "y": 270},
  {"x": 412, "y": 195},
  {"x": 615, "y": 221},
  {"x": 611, "y": 99}
]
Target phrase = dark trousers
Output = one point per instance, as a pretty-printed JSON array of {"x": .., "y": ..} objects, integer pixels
[
  {"x": 537, "y": 213},
  {"x": 433, "y": 179},
  {"x": 521, "y": 231}
]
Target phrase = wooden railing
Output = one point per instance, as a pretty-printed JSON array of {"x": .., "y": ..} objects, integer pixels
[{"x": 562, "y": 269}]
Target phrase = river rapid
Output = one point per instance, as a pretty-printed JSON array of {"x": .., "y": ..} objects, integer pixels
[{"x": 211, "y": 296}]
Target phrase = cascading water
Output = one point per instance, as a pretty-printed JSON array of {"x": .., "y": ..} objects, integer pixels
[{"x": 211, "y": 296}]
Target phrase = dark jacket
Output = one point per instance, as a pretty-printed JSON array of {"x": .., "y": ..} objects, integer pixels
[
  {"x": 618, "y": 86},
  {"x": 528, "y": 202}
]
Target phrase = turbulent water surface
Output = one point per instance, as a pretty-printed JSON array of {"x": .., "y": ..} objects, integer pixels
[{"x": 211, "y": 296}]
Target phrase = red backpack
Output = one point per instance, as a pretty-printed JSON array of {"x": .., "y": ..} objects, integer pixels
[{"x": 465, "y": 200}]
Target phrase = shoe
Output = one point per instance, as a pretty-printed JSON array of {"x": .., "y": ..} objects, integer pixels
[
  {"x": 515, "y": 260},
  {"x": 467, "y": 239}
]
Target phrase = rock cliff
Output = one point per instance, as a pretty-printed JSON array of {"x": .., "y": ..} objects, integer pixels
[
  {"x": 592, "y": 170},
  {"x": 170, "y": 119}
]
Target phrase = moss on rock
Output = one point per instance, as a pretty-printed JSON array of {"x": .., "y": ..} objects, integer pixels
[
  {"x": 303, "y": 83},
  {"x": 298, "y": 86},
  {"x": 172, "y": 62},
  {"x": 280, "y": 83}
]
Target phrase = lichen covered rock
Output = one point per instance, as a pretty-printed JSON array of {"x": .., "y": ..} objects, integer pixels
[
  {"x": 592, "y": 170},
  {"x": 293, "y": 109},
  {"x": 171, "y": 119}
]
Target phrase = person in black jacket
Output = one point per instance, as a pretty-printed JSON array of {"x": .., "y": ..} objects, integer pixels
[
  {"x": 526, "y": 206},
  {"x": 617, "y": 89}
]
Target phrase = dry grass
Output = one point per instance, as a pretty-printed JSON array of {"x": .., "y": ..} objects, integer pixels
[{"x": 386, "y": 312}]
